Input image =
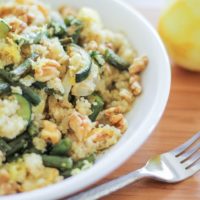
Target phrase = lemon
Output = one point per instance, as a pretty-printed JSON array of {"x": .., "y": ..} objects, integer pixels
[{"x": 179, "y": 27}]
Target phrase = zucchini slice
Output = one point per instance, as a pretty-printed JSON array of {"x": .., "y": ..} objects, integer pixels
[
  {"x": 25, "y": 107},
  {"x": 97, "y": 106},
  {"x": 116, "y": 61},
  {"x": 4, "y": 29},
  {"x": 84, "y": 70}
]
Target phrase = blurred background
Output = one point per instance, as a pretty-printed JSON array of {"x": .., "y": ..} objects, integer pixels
[
  {"x": 177, "y": 22},
  {"x": 149, "y": 8}
]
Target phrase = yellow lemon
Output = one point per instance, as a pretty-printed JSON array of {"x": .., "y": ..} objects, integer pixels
[{"x": 179, "y": 27}]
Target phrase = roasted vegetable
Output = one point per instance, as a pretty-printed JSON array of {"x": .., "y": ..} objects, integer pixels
[
  {"x": 56, "y": 27},
  {"x": 98, "y": 58},
  {"x": 61, "y": 163},
  {"x": 62, "y": 147},
  {"x": 7, "y": 76},
  {"x": 19, "y": 144},
  {"x": 30, "y": 95},
  {"x": 4, "y": 147},
  {"x": 84, "y": 70},
  {"x": 4, "y": 29},
  {"x": 25, "y": 108},
  {"x": 24, "y": 68},
  {"x": 113, "y": 59},
  {"x": 97, "y": 106},
  {"x": 74, "y": 27}
]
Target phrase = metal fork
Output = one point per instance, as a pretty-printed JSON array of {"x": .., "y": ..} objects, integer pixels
[{"x": 171, "y": 167}]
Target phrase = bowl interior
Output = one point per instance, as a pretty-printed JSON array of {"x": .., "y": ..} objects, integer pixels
[{"x": 147, "y": 109}]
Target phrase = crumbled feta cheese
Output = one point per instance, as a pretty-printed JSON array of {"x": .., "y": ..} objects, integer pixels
[
  {"x": 27, "y": 80},
  {"x": 17, "y": 90},
  {"x": 11, "y": 124},
  {"x": 34, "y": 163},
  {"x": 39, "y": 144},
  {"x": 56, "y": 84}
]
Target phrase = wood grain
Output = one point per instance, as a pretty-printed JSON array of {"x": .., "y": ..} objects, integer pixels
[{"x": 179, "y": 122}]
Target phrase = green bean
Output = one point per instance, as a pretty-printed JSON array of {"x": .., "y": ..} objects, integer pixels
[
  {"x": 18, "y": 144},
  {"x": 56, "y": 27},
  {"x": 7, "y": 76},
  {"x": 4, "y": 146},
  {"x": 97, "y": 106},
  {"x": 98, "y": 58},
  {"x": 67, "y": 173},
  {"x": 62, "y": 147},
  {"x": 24, "y": 68},
  {"x": 74, "y": 28},
  {"x": 30, "y": 95},
  {"x": 112, "y": 58},
  {"x": 61, "y": 163}
]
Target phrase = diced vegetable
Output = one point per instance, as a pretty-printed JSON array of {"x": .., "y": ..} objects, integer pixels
[
  {"x": 30, "y": 95},
  {"x": 24, "y": 68},
  {"x": 56, "y": 27},
  {"x": 62, "y": 147},
  {"x": 4, "y": 29},
  {"x": 25, "y": 107},
  {"x": 97, "y": 106},
  {"x": 67, "y": 173},
  {"x": 18, "y": 144},
  {"x": 112, "y": 58},
  {"x": 98, "y": 58},
  {"x": 84, "y": 70},
  {"x": 7, "y": 76},
  {"x": 74, "y": 27},
  {"x": 61, "y": 163},
  {"x": 4, "y": 87},
  {"x": 4, "y": 147}
]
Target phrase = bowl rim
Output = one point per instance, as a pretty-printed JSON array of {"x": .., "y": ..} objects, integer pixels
[{"x": 60, "y": 189}]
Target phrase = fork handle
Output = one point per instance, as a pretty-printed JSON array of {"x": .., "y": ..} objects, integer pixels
[{"x": 111, "y": 186}]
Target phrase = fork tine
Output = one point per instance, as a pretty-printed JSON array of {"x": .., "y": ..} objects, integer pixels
[
  {"x": 184, "y": 146},
  {"x": 192, "y": 160},
  {"x": 187, "y": 154},
  {"x": 194, "y": 169}
]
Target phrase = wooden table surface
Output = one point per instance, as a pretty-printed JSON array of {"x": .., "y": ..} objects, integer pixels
[{"x": 179, "y": 122}]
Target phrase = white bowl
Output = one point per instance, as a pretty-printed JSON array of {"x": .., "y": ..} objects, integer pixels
[{"x": 148, "y": 107}]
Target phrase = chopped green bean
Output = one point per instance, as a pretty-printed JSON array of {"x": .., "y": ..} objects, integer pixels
[
  {"x": 62, "y": 147},
  {"x": 24, "y": 68},
  {"x": 4, "y": 147},
  {"x": 98, "y": 58},
  {"x": 112, "y": 58},
  {"x": 18, "y": 144},
  {"x": 61, "y": 163},
  {"x": 30, "y": 95}
]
